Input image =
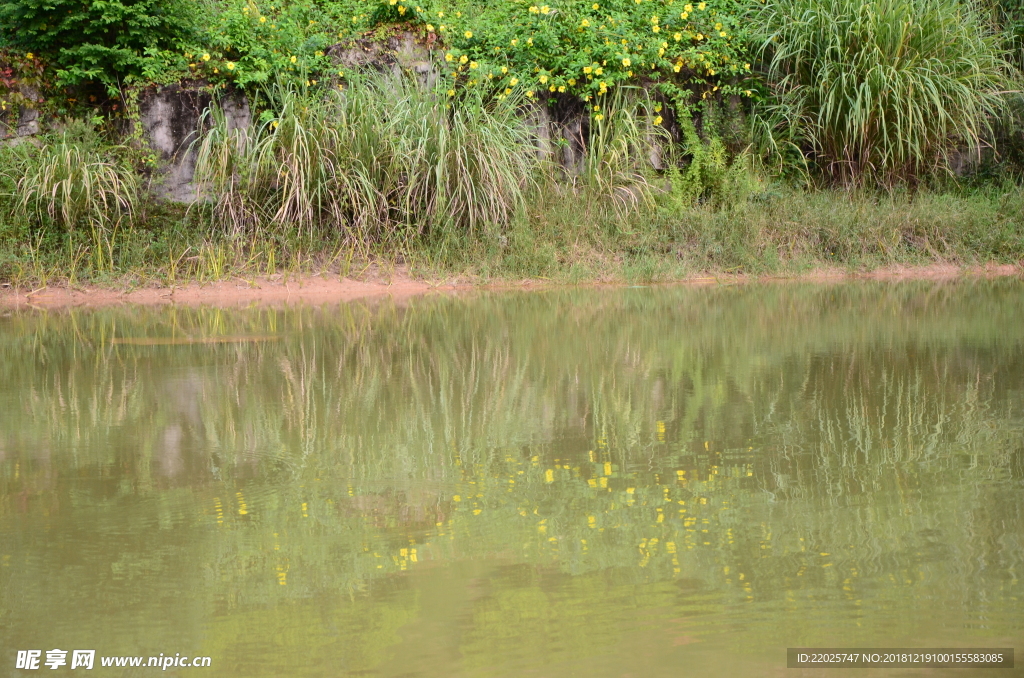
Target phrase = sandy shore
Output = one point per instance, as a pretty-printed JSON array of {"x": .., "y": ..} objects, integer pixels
[{"x": 321, "y": 289}]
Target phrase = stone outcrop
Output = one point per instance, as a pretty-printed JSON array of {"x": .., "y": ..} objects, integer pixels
[
  {"x": 21, "y": 120},
  {"x": 171, "y": 119}
]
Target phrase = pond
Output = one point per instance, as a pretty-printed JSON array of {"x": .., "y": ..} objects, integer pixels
[{"x": 576, "y": 482}]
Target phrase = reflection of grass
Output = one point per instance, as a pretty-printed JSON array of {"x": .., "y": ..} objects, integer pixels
[{"x": 351, "y": 434}]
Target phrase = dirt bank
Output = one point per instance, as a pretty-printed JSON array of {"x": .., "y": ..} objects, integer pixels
[{"x": 318, "y": 289}]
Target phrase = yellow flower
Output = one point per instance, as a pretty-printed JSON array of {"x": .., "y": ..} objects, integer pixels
[
  {"x": 543, "y": 79},
  {"x": 718, "y": 27},
  {"x": 678, "y": 67},
  {"x": 585, "y": 23},
  {"x": 515, "y": 41},
  {"x": 545, "y": 9},
  {"x": 463, "y": 59},
  {"x": 747, "y": 92},
  {"x": 30, "y": 55},
  {"x": 263, "y": 19},
  {"x": 595, "y": 6},
  {"x": 657, "y": 120},
  {"x": 687, "y": 8},
  {"x": 440, "y": 15},
  {"x": 513, "y": 82},
  {"x": 206, "y": 57},
  {"x": 746, "y": 66},
  {"x": 599, "y": 117},
  {"x": 535, "y": 10},
  {"x": 597, "y": 108},
  {"x": 508, "y": 91},
  {"x": 587, "y": 69},
  {"x": 655, "y": 19},
  {"x": 684, "y": 15},
  {"x": 700, "y": 36},
  {"x": 529, "y": 93},
  {"x": 401, "y": 10},
  {"x": 561, "y": 88},
  {"x": 230, "y": 65},
  {"x": 552, "y": 88},
  {"x": 442, "y": 28},
  {"x": 529, "y": 41},
  {"x": 468, "y": 34},
  {"x": 504, "y": 69},
  {"x": 625, "y": 62},
  {"x": 657, "y": 108},
  {"x": 451, "y": 92},
  {"x": 448, "y": 56},
  {"x": 472, "y": 64},
  {"x": 701, "y": 6},
  {"x": 656, "y": 29},
  {"x": 430, "y": 28},
  {"x": 678, "y": 36},
  {"x": 572, "y": 81},
  {"x": 294, "y": 59},
  {"x": 599, "y": 71}
]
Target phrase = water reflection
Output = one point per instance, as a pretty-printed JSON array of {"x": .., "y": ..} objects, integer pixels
[{"x": 563, "y": 483}]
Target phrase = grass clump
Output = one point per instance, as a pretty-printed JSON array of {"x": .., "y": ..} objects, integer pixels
[
  {"x": 882, "y": 91},
  {"x": 383, "y": 160}
]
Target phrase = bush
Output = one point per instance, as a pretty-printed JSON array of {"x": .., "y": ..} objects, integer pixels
[
  {"x": 95, "y": 40},
  {"x": 882, "y": 91}
]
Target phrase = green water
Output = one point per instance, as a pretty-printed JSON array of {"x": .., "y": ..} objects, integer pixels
[{"x": 636, "y": 482}]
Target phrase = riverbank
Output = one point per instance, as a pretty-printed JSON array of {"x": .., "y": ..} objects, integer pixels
[{"x": 399, "y": 285}]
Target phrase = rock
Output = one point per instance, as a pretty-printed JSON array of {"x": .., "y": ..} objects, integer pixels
[
  {"x": 401, "y": 52},
  {"x": 22, "y": 119},
  {"x": 171, "y": 118}
]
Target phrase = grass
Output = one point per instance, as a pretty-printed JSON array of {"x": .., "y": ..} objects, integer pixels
[
  {"x": 386, "y": 174},
  {"x": 883, "y": 91}
]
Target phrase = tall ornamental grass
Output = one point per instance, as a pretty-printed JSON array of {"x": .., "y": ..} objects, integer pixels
[
  {"x": 384, "y": 157},
  {"x": 882, "y": 91}
]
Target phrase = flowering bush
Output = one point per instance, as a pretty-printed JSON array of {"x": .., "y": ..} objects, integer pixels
[{"x": 586, "y": 47}]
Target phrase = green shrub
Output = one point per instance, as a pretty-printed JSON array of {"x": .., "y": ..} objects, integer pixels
[
  {"x": 95, "y": 40},
  {"x": 882, "y": 90}
]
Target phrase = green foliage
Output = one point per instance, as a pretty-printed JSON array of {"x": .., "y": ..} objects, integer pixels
[
  {"x": 382, "y": 156},
  {"x": 97, "y": 40},
  {"x": 882, "y": 90},
  {"x": 252, "y": 44},
  {"x": 587, "y": 47}
]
